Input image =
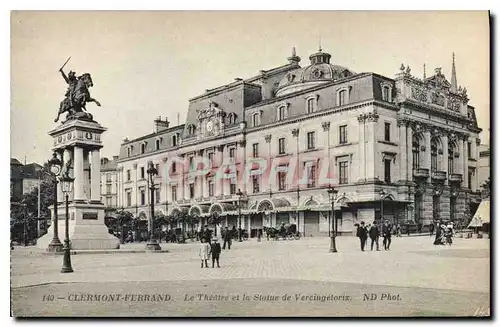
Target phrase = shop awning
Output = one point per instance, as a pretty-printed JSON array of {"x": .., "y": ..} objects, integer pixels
[{"x": 482, "y": 215}]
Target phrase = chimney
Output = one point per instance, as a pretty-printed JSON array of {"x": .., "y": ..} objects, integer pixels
[
  {"x": 161, "y": 125},
  {"x": 115, "y": 158}
]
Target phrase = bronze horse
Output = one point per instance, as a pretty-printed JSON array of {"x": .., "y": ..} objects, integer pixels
[{"x": 77, "y": 95}]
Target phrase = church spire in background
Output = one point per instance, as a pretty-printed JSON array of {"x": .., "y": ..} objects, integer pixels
[{"x": 453, "y": 76}]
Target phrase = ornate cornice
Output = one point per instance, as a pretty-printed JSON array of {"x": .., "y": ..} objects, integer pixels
[{"x": 369, "y": 117}]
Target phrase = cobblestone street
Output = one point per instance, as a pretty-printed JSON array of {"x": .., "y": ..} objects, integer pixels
[{"x": 429, "y": 279}]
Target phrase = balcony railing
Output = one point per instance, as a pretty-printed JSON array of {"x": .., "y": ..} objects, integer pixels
[
  {"x": 455, "y": 178},
  {"x": 439, "y": 175},
  {"x": 421, "y": 172}
]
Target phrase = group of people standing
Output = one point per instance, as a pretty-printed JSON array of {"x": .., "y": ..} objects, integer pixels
[
  {"x": 444, "y": 233},
  {"x": 374, "y": 232},
  {"x": 210, "y": 246}
]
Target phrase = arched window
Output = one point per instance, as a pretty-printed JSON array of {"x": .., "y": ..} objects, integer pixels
[
  {"x": 174, "y": 140},
  {"x": 129, "y": 151},
  {"x": 231, "y": 118},
  {"x": 191, "y": 129},
  {"x": 451, "y": 158},
  {"x": 255, "y": 119},
  {"x": 416, "y": 152},
  {"x": 311, "y": 105},
  {"x": 158, "y": 143},
  {"x": 434, "y": 157},
  {"x": 143, "y": 147}
]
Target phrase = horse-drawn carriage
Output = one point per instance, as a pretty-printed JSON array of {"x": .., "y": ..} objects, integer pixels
[{"x": 285, "y": 232}]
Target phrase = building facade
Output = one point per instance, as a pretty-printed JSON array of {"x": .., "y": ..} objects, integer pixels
[
  {"x": 484, "y": 165},
  {"x": 109, "y": 183},
  {"x": 23, "y": 178},
  {"x": 265, "y": 150}
]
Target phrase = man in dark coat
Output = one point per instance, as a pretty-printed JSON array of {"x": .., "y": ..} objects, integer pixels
[
  {"x": 228, "y": 238},
  {"x": 374, "y": 235},
  {"x": 215, "y": 251},
  {"x": 386, "y": 234},
  {"x": 207, "y": 234},
  {"x": 362, "y": 233}
]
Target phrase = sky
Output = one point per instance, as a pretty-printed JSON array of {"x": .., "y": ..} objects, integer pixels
[{"x": 150, "y": 63}]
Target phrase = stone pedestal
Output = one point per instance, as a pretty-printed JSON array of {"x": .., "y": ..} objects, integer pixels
[{"x": 74, "y": 141}]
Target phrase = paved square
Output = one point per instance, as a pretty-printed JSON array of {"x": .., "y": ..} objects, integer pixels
[{"x": 284, "y": 278}]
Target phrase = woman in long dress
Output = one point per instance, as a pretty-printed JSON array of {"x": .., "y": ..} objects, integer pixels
[
  {"x": 204, "y": 252},
  {"x": 439, "y": 234}
]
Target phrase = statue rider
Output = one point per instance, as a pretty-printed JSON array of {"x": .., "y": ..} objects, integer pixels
[{"x": 71, "y": 80}]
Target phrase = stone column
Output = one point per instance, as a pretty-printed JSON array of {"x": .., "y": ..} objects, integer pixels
[
  {"x": 465, "y": 163},
  {"x": 361, "y": 149},
  {"x": 427, "y": 153},
  {"x": 95, "y": 176},
  {"x": 402, "y": 150},
  {"x": 240, "y": 167},
  {"x": 371, "y": 150},
  {"x": 409, "y": 148},
  {"x": 78, "y": 173},
  {"x": 266, "y": 183},
  {"x": 219, "y": 186},
  {"x": 460, "y": 165},
  {"x": 444, "y": 166}
]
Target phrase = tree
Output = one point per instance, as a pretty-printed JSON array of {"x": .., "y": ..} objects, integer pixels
[
  {"x": 215, "y": 219},
  {"x": 486, "y": 188}
]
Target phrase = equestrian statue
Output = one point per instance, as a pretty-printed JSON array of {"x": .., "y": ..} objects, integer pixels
[{"x": 77, "y": 95}]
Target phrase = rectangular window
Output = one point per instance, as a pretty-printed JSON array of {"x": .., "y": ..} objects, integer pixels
[
  {"x": 142, "y": 173},
  {"x": 128, "y": 175},
  {"x": 143, "y": 197},
  {"x": 174, "y": 168},
  {"x": 108, "y": 177},
  {"x": 157, "y": 167},
  {"x": 387, "y": 132},
  {"x": 342, "y": 98},
  {"x": 310, "y": 140},
  {"x": 343, "y": 134},
  {"x": 281, "y": 145},
  {"x": 191, "y": 191},
  {"x": 469, "y": 150},
  {"x": 451, "y": 168},
  {"x": 469, "y": 179},
  {"x": 143, "y": 148},
  {"x": 416, "y": 157},
  {"x": 232, "y": 188},
  {"x": 174, "y": 192},
  {"x": 157, "y": 194},
  {"x": 210, "y": 188},
  {"x": 310, "y": 106},
  {"x": 311, "y": 176},
  {"x": 191, "y": 163},
  {"x": 343, "y": 177},
  {"x": 387, "y": 171},
  {"x": 109, "y": 201},
  {"x": 281, "y": 180},
  {"x": 211, "y": 157},
  {"x": 385, "y": 94},
  {"x": 174, "y": 140},
  {"x": 232, "y": 151},
  {"x": 255, "y": 150},
  {"x": 157, "y": 144},
  {"x": 129, "y": 199},
  {"x": 108, "y": 189},
  {"x": 255, "y": 184}
]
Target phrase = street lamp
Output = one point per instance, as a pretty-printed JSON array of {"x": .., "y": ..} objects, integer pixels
[
  {"x": 152, "y": 243},
  {"x": 239, "y": 194},
  {"x": 332, "y": 192},
  {"x": 382, "y": 196},
  {"x": 67, "y": 188},
  {"x": 55, "y": 165}
]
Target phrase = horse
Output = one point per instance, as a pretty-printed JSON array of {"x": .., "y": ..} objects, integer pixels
[{"x": 77, "y": 98}]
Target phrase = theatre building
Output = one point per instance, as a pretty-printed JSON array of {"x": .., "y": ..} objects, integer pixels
[{"x": 402, "y": 148}]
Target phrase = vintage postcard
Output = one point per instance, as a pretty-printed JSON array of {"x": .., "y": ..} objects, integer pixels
[{"x": 258, "y": 164}]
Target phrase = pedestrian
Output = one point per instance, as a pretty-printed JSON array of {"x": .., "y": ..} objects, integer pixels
[
  {"x": 408, "y": 229},
  {"x": 398, "y": 230},
  {"x": 234, "y": 232},
  {"x": 362, "y": 234},
  {"x": 228, "y": 239},
  {"x": 204, "y": 252},
  {"x": 215, "y": 251},
  {"x": 386, "y": 234},
  {"x": 207, "y": 235},
  {"x": 374, "y": 235},
  {"x": 431, "y": 229}
]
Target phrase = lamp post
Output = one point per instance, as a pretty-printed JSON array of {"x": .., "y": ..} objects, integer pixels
[
  {"x": 239, "y": 194},
  {"x": 152, "y": 242},
  {"x": 67, "y": 188},
  {"x": 382, "y": 196},
  {"x": 332, "y": 192},
  {"x": 55, "y": 168}
]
